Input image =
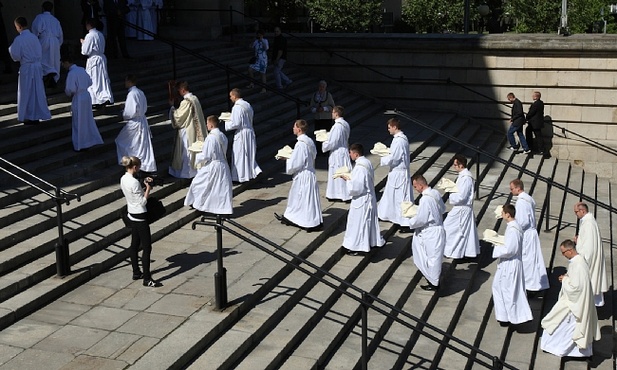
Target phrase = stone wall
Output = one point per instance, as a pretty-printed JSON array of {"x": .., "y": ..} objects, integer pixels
[{"x": 576, "y": 75}]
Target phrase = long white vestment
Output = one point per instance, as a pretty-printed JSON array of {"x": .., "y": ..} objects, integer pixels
[
  {"x": 94, "y": 48},
  {"x": 303, "y": 203},
  {"x": 135, "y": 138},
  {"x": 589, "y": 244},
  {"x": 211, "y": 190},
  {"x": 398, "y": 185},
  {"x": 47, "y": 28},
  {"x": 509, "y": 296},
  {"x": 533, "y": 261},
  {"x": 362, "y": 232},
  {"x": 144, "y": 19},
  {"x": 244, "y": 166},
  {"x": 429, "y": 237},
  {"x": 31, "y": 98},
  {"x": 85, "y": 132},
  {"x": 571, "y": 325},
  {"x": 461, "y": 232},
  {"x": 337, "y": 145}
]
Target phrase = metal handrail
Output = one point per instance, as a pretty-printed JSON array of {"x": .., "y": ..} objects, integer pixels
[
  {"x": 174, "y": 45},
  {"x": 366, "y": 299},
  {"x": 60, "y": 196}
]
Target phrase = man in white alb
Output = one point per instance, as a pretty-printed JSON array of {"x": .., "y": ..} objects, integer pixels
[
  {"x": 135, "y": 138},
  {"x": 460, "y": 224},
  {"x": 93, "y": 46},
  {"x": 429, "y": 236},
  {"x": 47, "y": 28},
  {"x": 338, "y": 146},
  {"x": 244, "y": 165}
]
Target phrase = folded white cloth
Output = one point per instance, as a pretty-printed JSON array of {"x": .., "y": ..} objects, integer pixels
[
  {"x": 321, "y": 135},
  {"x": 498, "y": 211},
  {"x": 447, "y": 185},
  {"x": 380, "y": 150},
  {"x": 409, "y": 209},
  {"x": 491, "y": 236},
  {"x": 284, "y": 152},
  {"x": 225, "y": 116},
  {"x": 341, "y": 171},
  {"x": 196, "y": 147}
]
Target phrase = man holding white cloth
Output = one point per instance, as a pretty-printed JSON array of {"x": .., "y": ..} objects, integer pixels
[{"x": 244, "y": 166}]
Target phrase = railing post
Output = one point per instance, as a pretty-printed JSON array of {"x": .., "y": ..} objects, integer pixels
[
  {"x": 364, "y": 332},
  {"x": 478, "y": 173},
  {"x": 220, "y": 277},
  {"x": 173, "y": 60},
  {"x": 231, "y": 23},
  {"x": 63, "y": 266},
  {"x": 497, "y": 363},
  {"x": 298, "y": 116},
  {"x": 549, "y": 184}
]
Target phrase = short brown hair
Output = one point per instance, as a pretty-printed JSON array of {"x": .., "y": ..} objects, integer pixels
[
  {"x": 301, "y": 124},
  {"x": 509, "y": 209},
  {"x": 395, "y": 122},
  {"x": 518, "y": 183}
]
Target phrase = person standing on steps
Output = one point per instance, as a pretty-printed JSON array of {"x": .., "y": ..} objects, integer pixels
[
  {"x": 508, "y": 287},
  {"x": 460, "y": 224},
  {"x": 279, "y": 56},
  {"x": 303, "y": 204},
  {"x": 85, "y": 133},
  {"x": 517, "y": 120},
  {"x": 93, "y": 46},
  {"x": 260, "y": 47},
  {"x": 535, "y": 118},
  {"x": 244, "y": 165},
  {"x": 47, "y": 28},
  {"x": 398, "y": 185},
  {"x": 338, "y": 146},
  {"x": 136, "y": 200},
  {"x": 31, "y": 98},
  {"x": 429, "y": 237},
  {"x": 571, "y": 325},
  {"x": 135, "y": 138},
  {"x": 362, "y": 232},
  {"x": 536, "y": 278}
]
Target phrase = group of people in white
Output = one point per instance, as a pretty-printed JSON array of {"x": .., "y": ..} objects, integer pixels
[{"x": 145, "y": 14}]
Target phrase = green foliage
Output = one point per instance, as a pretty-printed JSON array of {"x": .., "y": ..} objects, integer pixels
[
  {"x": 345, "y": 15},
  {"x": 434, "y": 15},
  {"x": 545, "y": 15}
]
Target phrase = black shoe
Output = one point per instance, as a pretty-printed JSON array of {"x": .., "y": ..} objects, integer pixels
[
  {"x": 152, "y": 283},
  {"x": 30, "y": 122},
  {"x": 429, "y": 287},
  {"x": 314, "y": 228},
  {"x": 504, "y": 324},
  {"x": 278, "y": 217},
  {"x": 355, "y": 253},
  {"x": 404, "y": 230},
  {"x": 138, "y": 275}
]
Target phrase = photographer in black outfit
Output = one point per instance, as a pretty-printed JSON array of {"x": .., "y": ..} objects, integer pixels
[{"x": 136, "y": 200}]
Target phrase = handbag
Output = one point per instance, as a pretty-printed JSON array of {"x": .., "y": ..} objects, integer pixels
[
  {"x": 253, "y": 60},
  {"x": 155, "y": 208}
]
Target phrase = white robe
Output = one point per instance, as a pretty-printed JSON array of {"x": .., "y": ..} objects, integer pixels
[
  {"x": 144, "y": 19},
  {"x": 533, "y": 261},
  {"x": 589, "y": 244},
  {"x": 244, "y": 166},
  {"x": 461, "y": 232},
  {"x": 96, "y": 66},
  {"x": 303, "y": 203},
  {"x": 337, "y": 145},
  {"x": 131, "y": 17},
  {"x": 31, "y": 98},
  {"x": 398, "y": 185},
  {"x": 47, "y": 28},
  {"x": 561, "y": 333},
  {"x": 85, "y": 131},
  {"x": 362, "y": 232},
  {"x": 211, "y": 190},
  {"x": 135, "y": 138},
  {"x": 509, "y": 296},
  {"x": 429, "y": 236}
]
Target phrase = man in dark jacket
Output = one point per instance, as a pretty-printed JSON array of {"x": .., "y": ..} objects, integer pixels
[
  {"x": 517, "y": 120},
  {"x": 535, "y": 119},
  {"x": 115, "y": 10}
]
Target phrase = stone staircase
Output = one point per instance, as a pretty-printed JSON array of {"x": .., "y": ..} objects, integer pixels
[{"x": 278, "y": 317}]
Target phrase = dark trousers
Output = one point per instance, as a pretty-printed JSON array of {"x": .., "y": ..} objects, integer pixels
[
  {"x": 115, "y": 30},
  {"x": 141, "y": 236},
  {"x": 538, "y": 140}
]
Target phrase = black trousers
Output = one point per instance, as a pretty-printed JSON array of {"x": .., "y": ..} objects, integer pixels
[
  {"x": 141, "y": 236},
  {"x": 115, "y": 32}
]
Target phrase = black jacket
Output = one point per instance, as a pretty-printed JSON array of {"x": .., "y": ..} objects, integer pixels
[
  {"x": 535, "y": 116},
  {"x": 518, "y": 117}
]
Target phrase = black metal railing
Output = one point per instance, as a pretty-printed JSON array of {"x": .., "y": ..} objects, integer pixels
[
  {"x": 365, "y": 299},
  {"x": 63, "y": 266},
  {"x": 228, "y": 70}
]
